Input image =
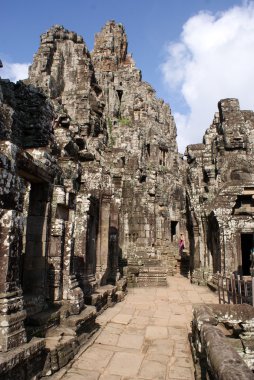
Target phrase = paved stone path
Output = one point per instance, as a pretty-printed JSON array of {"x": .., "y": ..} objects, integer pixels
[{"x": 145, "y": 336}]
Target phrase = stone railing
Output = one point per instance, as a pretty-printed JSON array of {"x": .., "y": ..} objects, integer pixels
[{"x": 222, "y": 342}]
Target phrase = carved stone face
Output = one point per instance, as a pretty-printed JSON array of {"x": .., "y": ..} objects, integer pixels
[
  {"x": 234, "y": 136},
  {"x": 232, "y": 125}
]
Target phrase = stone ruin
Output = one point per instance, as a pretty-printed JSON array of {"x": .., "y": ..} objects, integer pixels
[
  {"x": 222, "y": 342},
  {"x": 220, "y": 195},
  {"x": 94, "y": 195},
  {"x": 91, "y": 195}
]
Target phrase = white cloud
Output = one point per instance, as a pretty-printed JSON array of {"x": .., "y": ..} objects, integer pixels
[
  {"x": 14, "y": 71},
  {"x": 212, "y": 60}
]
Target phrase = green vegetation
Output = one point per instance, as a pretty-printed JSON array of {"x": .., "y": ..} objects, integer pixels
[
  {"x": 111, "y": 138},
  {"x": 125, "y": 121},
  {"x": 163, "y": 169}
]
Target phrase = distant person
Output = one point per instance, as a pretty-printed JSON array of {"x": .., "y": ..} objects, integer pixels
[{"x": 181, "y": 245}]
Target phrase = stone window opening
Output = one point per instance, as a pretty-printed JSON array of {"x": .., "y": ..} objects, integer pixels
[
  {"x": 142, "y": 178},
  {"x": 247, "y": 243},
  {"x": 123, "y": 161},
  {"x": 120, "y": 94},
  {"x": 173, "y": 224},
  {"x": 162, "y": 157},
  {"x": 244, "y": 204},
  {"x": 62, "y": 212},
  {"x": 148, "y": 149}
]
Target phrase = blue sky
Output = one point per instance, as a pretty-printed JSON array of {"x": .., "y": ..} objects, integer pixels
[{"x": 160, "y": 34}]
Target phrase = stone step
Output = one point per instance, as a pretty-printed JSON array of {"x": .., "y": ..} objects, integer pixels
[
  {"x": 153, "y": 270},
  {"x": 152, "y": 276},
  {"x": 146, "y": 263},
  {"x": 63, "y": 343},
  {"x": 29, "y": 359},
  {"x": 149, "y": 277},
  {"x": 104, "y": 296},
  {"x": 38, "y": 323},
  {"x": 151, "y": 283}
]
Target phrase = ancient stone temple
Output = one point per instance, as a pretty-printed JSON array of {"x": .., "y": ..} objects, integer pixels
[
  {"x": 220, "y": 191},
  {"x": 94, "y": 196},
  {"x": 91, "y": 195},
  {"x": 145, "y": 165}
]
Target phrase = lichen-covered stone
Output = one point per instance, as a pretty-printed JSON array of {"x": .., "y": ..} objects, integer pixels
[
  {"x": 90, "y": 186},
  {"x": 220, "y": 194},
  {"x": 93, "y": 192},
  {"x": 143, "y": 155},
  {"x": 214, "y": 354}
]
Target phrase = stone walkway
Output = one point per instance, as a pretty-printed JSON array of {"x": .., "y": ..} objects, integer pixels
[{"x": 145, "y": 336}]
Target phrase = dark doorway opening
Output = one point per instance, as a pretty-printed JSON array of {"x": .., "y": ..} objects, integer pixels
[
  {"x": 246, "y": 246},
  {"x": 214, "y": 244},
  {"x": 34, "y": 268},
  {"x": 173, "y": 229}
]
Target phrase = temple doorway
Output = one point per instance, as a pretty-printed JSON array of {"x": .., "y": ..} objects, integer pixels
[
  {"x": 34, "y": 266},
  {"x": 246, "y": 246},
  {"x": 173, "y": 230}
]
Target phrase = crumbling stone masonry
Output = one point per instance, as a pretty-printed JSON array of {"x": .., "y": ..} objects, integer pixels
[
  {"x": 222, "y": 342},
  {"x": 220, "y": 191},
  {"x": 91, "y": 193}
]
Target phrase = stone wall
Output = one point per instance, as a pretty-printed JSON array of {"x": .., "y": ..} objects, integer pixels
[
  {"x": 142, "y": 155},
  {"x": 126, "y": 141},
  {"x": 91, "y": 193},
  {"x": 222, "y": 342},
  {"x": 220, "y": 194}
]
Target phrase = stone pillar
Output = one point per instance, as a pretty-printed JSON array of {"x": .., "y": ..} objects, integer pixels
[
  {"x": 63, "y": 284},
  {"x": 59, "y": 214},
  {"x": 85, "y": 242},
  {"x": 55, "y": 261},
  {"x": 12, "y": 314},
  {"x": 83, "y": 204},
  {"x": 102, "y": 254},
  {"x": 197, "y": 257},
  {"x": 114, "y": 243},
  {"x": 71, "y": 290}
]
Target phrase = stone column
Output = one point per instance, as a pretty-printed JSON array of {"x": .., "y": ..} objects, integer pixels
[
  {"x": 114, "y": 243},
  {"x": 84, "y": 267},
  {"x": 59, "y": 214},
  {"x": 63, "y": 284},
  {"x": 71, "y": 290},
  {"x": 103, "y": 240},
  {"x": 12, "y": 314},
  {"x": 81, "y": 216}
]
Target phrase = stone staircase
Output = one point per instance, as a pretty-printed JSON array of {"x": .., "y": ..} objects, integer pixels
[
  {"x": 170, "y": 255},
  {"x": 143, "y": 268},
  {"x": 152, "y": 273},
  {"x": 142, "y": 272}
]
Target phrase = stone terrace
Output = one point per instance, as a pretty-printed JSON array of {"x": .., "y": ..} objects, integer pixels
[{"x": 143, "y": 337}]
